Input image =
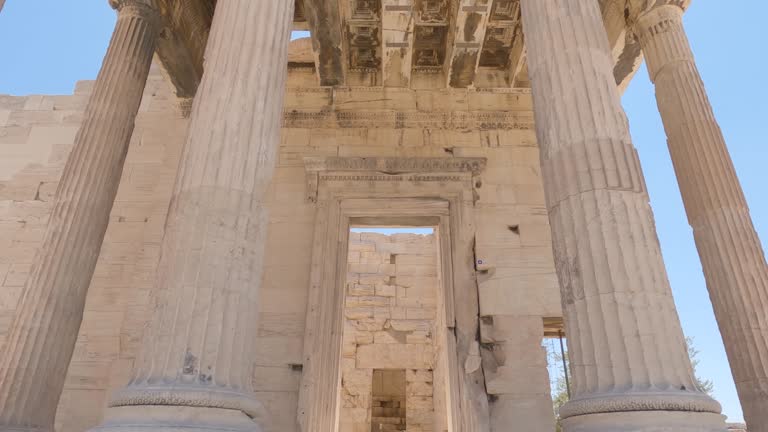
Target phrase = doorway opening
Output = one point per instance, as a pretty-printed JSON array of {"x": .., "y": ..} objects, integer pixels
[{"x": 393, "y": 365}]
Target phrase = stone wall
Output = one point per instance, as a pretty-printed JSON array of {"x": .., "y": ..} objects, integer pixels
[
  {"x": 512, "y": 231},
  {"x": 36, "y": 136},
  {"x": 390, "y": 309}
]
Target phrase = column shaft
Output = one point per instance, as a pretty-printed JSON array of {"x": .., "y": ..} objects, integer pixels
[
  {"x": 626, "y": 345},
  {"x": 731, "y": 254},
  {"x": 198, "y": 350},
  {"x": 42, "y": 338}
]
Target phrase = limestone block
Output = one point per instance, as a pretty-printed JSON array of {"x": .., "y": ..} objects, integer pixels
[
  {"x": 372, "y": 278},
  {"x": 414, "y": 269},
  {"x": 356, "y": 289},
  {"x": 277, "y": 323},
  {"x": 442, "y": 100},
  {"x": 88, "y": 375},
  {"x": 280, "y": 410},
  {"x": 419, "y": 388},
  {"x": 364, "y": 337},
  {"x": 411, "y": 325},
  {"x": 492, "y": 101},
  {"x": 381, "y": 98},
  {"x": 369, "y": 324},
  {"x": 365, "y": 301},
  {"x": 425, "y": 312},
  {"x": 38, "y": 103},
  {"x": 444, "y": 138},
  {"x": 358, "y": 313},
  {"x": 390, "y": 336},
  {"x": 386, "y": 290},
  {"x": 276, "y": 378},
  {"x": 367, "y": 151},
  {"x": 518, "y": 380},
  {"x": 384, "y": 312},
  {"x": 419, "y": 337},
  {"x": 48, "y": 135},
  {"x": 28, "y": 118},
  {"x": 5, "y": 114},
  {"x": 517, "y": 330},
  {"x": 14, "y": 135},
  {"x": 353, "y": 257},
  {"x": 357, "y": 381},
  {"x": 80, "y": 409},
  {"x": 394, "y": 356},
  {"x": 527, "y": 413},
  {"x": 536, "y": 295},
  {"x": 278, "y": 350}
]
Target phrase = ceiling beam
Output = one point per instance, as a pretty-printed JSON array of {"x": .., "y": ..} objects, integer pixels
[
  {"x": 468, "y": 36},
  {"x": 324, "y": 24},
  {"x": 397, "y": 33}
]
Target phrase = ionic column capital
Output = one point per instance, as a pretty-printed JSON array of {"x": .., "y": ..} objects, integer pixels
[
  {"x": 142, "y": 8},
  {"x": 639, "y": 8},
  {"x": 659, "y": 29},
  {"x": 648, "y": 20}
]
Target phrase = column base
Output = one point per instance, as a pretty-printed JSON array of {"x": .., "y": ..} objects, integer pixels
[
  {"x": 175, "y": 419},
  {"x": 646, "y": 421}
]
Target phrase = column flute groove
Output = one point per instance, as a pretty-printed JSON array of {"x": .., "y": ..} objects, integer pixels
[
  {"x": 629, "y": 362},
  {"x": 44, "y": 331},
  {"x": 731, "y": 254},
  {"x": 196, "y": 363}
]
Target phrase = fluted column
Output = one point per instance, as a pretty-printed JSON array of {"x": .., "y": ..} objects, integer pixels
[
  {"x": 197, "y": 354},
  {"x": 731, "y": 254},
  {"x": 43, "y": 334},
  {"x": 630, "y": 367}
]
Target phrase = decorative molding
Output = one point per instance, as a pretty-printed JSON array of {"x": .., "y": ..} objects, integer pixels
[
  {"x": 396, "y": 165},
  {"x": 687, "y": 402},
  {"x": 189, "y": 396},
  {"x": 328, "y": 118},
  {"x": 389, "y": 169}
]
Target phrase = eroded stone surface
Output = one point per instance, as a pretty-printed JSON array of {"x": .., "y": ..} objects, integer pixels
[{"x": 416, "y": 116}]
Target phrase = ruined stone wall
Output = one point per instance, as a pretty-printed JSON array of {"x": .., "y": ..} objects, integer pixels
[
  {"x": 390, "y": 307},
  {"x": 512, "y": 232}
]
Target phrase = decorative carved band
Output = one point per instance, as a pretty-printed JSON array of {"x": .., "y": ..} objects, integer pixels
[
  {"x": 390, "y": 178},
  {"x": 396, "y": 165},
  {"x": 388, "y": 169},
  {"x": 189, "y": 396},
  {"x": 688, "y": 402},
  {"x": 325, "y": 118}
]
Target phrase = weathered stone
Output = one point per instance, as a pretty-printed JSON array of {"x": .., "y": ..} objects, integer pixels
[
  {"x": 607, "y": 255},
  {"x": 396, "y": 111},
  {"x": 731, "y": 254},
  {"x": 43, "y": 334},
  {"x": 210, "y": 270}
]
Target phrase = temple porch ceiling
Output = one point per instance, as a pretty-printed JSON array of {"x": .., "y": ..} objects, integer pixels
[{"x": 394, "y": 43}]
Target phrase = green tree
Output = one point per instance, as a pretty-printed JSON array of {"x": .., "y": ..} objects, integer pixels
[
  {"x": 704, "y": 385},
  {"x": 560, "y": 394}
]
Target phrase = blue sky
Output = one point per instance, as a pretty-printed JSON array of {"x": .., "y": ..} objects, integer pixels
[{"x": 47, "y": 45}]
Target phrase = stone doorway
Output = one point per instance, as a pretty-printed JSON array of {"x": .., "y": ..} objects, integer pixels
[
  {"x": 428, "y": 192},
  {"x": 392, "y": 361}
]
